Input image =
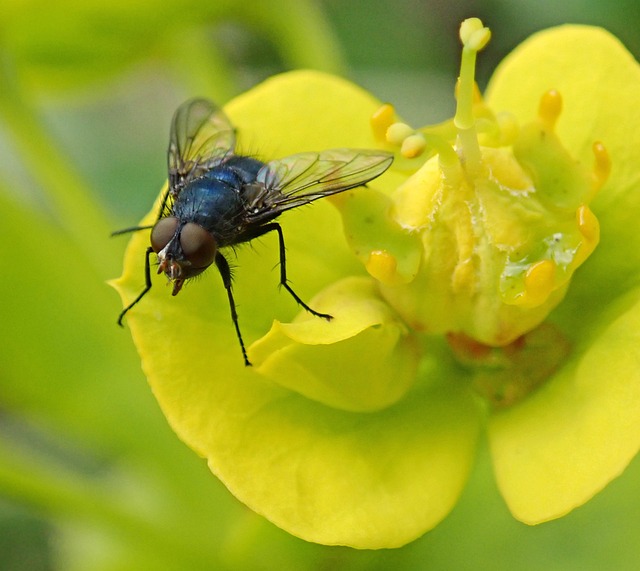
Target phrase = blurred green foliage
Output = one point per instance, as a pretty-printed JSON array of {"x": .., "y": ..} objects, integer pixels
[{"x": 91, "y": 476}]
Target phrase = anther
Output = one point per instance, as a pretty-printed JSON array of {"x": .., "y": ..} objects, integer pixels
[
  {"x": 398, "y": 132},
  {"x": 383, "y": 266},
  {"x": 602, "y": 166},
  {"x": 538, "y": 283},
  {"x": 473, "y": 34},
  {"x": 381, "y": 120},
  {"x": 413, "y": 146},
  {"x": 550, "y": 108},
  {"x": 588, "y": 224}
]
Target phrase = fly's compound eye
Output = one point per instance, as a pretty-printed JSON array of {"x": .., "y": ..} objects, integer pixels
[
  {"x": 162, "y": 232},
  {"x": 198, "y": 245}
]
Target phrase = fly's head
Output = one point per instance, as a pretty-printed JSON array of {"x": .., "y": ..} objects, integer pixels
[{"x": 184, "y": 249}]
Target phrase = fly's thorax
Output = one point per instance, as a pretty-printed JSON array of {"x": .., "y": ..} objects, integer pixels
[
  {"x": 184, "y": 249},
  {"x": 213, "y": 202},
  {"x": 245, "y": 168}
]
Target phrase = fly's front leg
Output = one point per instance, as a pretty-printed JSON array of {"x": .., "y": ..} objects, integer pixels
[
  {"x": 147, "y": 287},
  {"x": 130, "y": 229},
  {"x": 283, "y": 270},
  {"x": 225, "y": 272}
]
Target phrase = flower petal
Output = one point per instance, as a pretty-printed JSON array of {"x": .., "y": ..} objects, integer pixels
[
  {"x": 368, "y": 480},
  {"x": 600, "y": 85},
  {"x": 331, "y": 113},
  {"x": 362, "y": 360},
  {"x": 569, "y": 440},
  {"x": 556, "y": 450}
]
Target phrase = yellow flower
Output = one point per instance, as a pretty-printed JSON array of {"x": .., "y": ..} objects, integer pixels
[{"x": 363, "y": 431}]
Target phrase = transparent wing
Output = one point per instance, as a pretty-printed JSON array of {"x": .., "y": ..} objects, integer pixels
[
  {"x": 201, "y": 136},
  {"x": 305, "y": 177}
]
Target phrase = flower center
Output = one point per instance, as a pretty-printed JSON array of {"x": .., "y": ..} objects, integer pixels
[{"x": 499, "y": 213}]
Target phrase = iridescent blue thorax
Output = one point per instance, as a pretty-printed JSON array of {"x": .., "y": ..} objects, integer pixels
[{"x": 216, "y": 201}]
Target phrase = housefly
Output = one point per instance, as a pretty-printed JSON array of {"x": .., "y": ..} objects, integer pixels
[{"x": 217, "y": 199}]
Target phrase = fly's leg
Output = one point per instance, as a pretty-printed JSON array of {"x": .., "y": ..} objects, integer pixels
[
  {"x": 283, "y": 269},
  {"x": 147, "y": 287},
  {"x": 225, "y": 272}
]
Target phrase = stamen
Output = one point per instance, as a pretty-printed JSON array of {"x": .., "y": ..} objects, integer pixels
[
  {"x": 489, "y": 227},
  {"x": 473, "y": 34},
  {"x": 474, "y": 37},
  {"x": 413, "y": 146},
  {"x": 588, "y": 224},
  {"x": 589, "y": 227},
  {"x": 398, "y": 132},
  {"x": 381, "y": 120},
  {"x": 383, "y": 266},
  {"x": 550, "y": 108},
  {"x": 602, "y": 166},
  {"x": 538, "y": 283}
]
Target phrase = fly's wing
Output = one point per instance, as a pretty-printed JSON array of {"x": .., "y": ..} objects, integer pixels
[
  {"x": 201, "y": 136},
  {"x": 299, "y": 179}
]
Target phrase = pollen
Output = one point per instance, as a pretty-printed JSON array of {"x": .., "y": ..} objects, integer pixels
[{"x": 381, "y": 120}]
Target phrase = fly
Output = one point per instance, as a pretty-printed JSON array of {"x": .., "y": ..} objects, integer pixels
[{"x": 217, "y": 199}]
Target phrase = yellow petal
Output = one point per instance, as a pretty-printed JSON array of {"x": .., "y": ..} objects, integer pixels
[
  {"x": 362, "y": 360},
  {"x": 557, "y": 449},
  {"x": 369, "y": 480},
  {"x": 566, "y": 442}
]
